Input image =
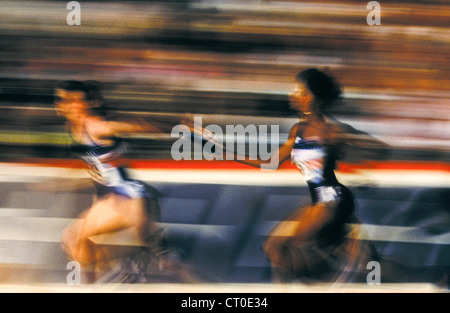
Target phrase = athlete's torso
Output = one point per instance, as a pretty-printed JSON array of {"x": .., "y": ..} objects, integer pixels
[
  {"x": 315, "y": 157},
  {"x": 102, "y": 163}
]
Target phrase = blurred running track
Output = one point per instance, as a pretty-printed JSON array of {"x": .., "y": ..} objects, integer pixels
[{"x": 218, "y": 215}]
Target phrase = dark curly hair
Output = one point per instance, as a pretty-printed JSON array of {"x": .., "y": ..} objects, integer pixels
[{"x": 324, "y": 87}]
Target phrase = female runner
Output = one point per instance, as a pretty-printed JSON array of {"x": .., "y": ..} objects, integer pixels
[
  {"x": 312, "y": 244},
  {"x": 120, "y": 202}
]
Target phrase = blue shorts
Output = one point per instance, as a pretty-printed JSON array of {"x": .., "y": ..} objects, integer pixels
[{"x": 124, "y": 186}]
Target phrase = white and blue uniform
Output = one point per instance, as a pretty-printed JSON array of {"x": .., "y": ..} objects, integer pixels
[
  {"x": 109, "y": 178},
  {"x": 316, "y": 163}
]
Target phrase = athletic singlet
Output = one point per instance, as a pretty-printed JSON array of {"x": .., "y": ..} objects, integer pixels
[
  {"x": 317, "y": 166},
  {"x": 100, "y": 162}
]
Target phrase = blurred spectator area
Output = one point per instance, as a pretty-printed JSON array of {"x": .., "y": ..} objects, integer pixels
[{"x": 230, "y": 61}]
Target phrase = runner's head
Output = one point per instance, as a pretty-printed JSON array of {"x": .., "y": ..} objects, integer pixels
[
  {"x": 74, "y": 97},
  {"x": 314, "y": 91}
]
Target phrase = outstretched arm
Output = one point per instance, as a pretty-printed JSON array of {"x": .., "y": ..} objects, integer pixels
[
  {"x": 355, "y": 144},
  {"x": 277, "y": 157},
  {"x": 140, "y": 126},
  {"x": 280, "y": 155},
  {"x": 100, "y": 129}
]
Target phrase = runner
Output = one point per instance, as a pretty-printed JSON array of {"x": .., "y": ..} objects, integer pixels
[
  {"x": 312, "y": 243},
  {"x": 120, "y": 202}
]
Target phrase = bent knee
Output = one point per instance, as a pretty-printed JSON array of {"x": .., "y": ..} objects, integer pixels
[
  {"x": 74, "y": 245},
  {"x": 275, "y": 247},
  {"x": 68, "y": 240}
]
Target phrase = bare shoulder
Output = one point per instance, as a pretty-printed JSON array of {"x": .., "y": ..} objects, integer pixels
[
  {"x": 98, "y": 127},
  {"x": 294, "y": 130}
]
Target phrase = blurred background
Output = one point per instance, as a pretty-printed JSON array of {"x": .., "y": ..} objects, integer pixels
[
  {"x": 228, "y": 58},
  {"x": 230, "y": 62}
]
